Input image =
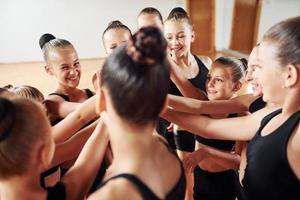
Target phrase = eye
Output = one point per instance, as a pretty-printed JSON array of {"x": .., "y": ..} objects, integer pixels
[
  {"x": 113, "y": 47},
  {"x": 181, "y": 36},
  {"x": 219, "y": 80},
  {"x": 77, "y": 64}
]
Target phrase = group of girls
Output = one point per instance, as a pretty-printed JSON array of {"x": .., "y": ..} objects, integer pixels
[{"x": 162, "y": 123}]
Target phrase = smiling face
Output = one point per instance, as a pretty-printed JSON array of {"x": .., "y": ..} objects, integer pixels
[
  {"x": 252, "y": 64},
  {"x": 219, "y": 83},
  {"x": 64, "y": 64},
  {"x": 270, "y": 74},
  {"x": 114, "y": 38},
  {"x": 179, "y": 35}
]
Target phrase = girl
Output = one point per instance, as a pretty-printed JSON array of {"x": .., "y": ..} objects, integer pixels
[
  {"x": 186, "y": 68},
  {"x": 62, "y": 62},
  {"x": 114, "y": 35},
  {"x": 272, "y": 154},
  {"x": 134, "y": 85},
  {"x": 224, "y": 80},
  {"x": 26, "y": 149}
]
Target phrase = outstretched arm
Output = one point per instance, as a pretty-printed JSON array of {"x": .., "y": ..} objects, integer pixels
[
  {"x": 235, "y": 105},
  {"x": 79, "y": 178},
  {"x": 75, "y": 120},
  {"x": 237, "y": 129}
]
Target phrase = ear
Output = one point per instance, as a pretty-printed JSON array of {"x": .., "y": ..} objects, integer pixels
[
  {"x": 193, "y": 36},
  {"x": 44, "y": 157},
  {"x": 101, "y": 101},
  {"x": 49, "y": 70},
  {"x": 237, "y": 86},
  {"x": 291, "y": 76}
]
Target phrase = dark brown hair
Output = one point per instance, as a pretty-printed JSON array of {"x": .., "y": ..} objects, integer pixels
[
  {"x": 178, "y": 14},
  {"x": 137, "y": 76},
  {"x": 154, "y": 11},
  {"x": 238, "y": 67}
]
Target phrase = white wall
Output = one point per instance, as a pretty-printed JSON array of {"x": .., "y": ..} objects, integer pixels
[
  {"x": 81, "y": 22},
  {"x": 274, "y": 11}
]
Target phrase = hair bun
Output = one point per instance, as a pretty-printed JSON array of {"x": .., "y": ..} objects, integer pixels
[
  {"x": 46, "y": 38},
  {"x": 245, "y": 63},
  {"x": 177, "y": 13},
  {"x": 115, "y": 23},
  {"x": 7, "y": 117},
  {"x": 148, "y": 46}
]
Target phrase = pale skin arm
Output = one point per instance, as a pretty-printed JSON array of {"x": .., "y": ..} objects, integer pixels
[
  {"x": 228, "y": 160},
  {"x": 57, "y": 107},
  {"x": 235, "y": 105},
  {"x": 237, "y": 129},
  {"x": 80, "y": 177},
  {"x": 71, "y": 148},
  {"x": 75, "y": 120}
]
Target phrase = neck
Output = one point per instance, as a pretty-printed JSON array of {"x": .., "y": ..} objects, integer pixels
[
  {"x": 185, "y": 59},
  {"x": 291, "y": 103},
  {"x": 66, "y": 90},
  {"x": 25, "y": 187},
  {"x": 130, "y": 144}
]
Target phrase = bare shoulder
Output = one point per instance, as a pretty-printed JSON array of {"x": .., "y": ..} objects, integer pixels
[
  {"x": 206, "y": 60},
  {"x": 116, "y": 189}
]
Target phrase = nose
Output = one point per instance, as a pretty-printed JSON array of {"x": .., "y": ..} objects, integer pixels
[
  {"x": 209, "y": 83},
  {"x": 174, "y": 41},
  {"x": 73, "y": 71}
]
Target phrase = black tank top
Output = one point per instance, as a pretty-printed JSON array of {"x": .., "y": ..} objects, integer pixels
[
  {"x": 199, "y": 81},
  {"x": 257, "y": 105},
  {"x": 268, "y": 174},
  {"x": 57, "y": 192},
  {"x": 225, "y": 145},
  {"x": 88, "y": 92},
  {"x": 176, "y": 193}
]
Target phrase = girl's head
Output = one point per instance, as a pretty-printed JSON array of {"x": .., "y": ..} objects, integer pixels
[
  {"x": 179, "y": 32},
  {"x": 225, "y": 78},
  {"x": 114, "y": 35},
  {"x": 61, "y": 60},
  {"x": 135, "y": 78},
  {"x": 278, "y": 60},
  {"x": 26, "y": 146},
  {"x": 150, "y": 17},
  {"x": 28, "y": 92}
]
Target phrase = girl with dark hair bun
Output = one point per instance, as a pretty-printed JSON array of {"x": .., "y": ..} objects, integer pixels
[
  {"x": 134, "y": 86},
  {"x": 188, "y": 75},
  {"x": 62, "y": 62},
  {"x": 115, "y": 34},
  {"x": 272, "y": 170}
]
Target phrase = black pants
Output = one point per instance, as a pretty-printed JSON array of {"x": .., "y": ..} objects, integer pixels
[{"x": 214, "y": 186}]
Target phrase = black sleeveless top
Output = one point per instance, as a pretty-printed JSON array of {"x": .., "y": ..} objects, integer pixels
[
  {"x": 88, "y": 92},
  {"x": 257, "y": 105},
  {"x": 57, "y": 192},
  {"x": 199, "y": 81},
  {"x": 176, "y": 193},
  {"x": 225, "y": 145},
  {"x": 268, "y": 174}
]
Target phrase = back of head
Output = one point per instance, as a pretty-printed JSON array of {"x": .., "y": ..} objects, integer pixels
[
  {"x": 137, "y": 76},
  {"x": 179, "y": 14},
  {"x": 48, "y": 41},
  {"x": 286, "y": 36},
  {"x": 28, "y": 92},
  {"x": 238, "y": 67},
  {"x": 23, "y": 126}
]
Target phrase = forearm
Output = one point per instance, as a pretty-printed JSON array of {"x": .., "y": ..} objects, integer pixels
[
  {"x": 75, "y": 120},
  {"x": 80, "y": 177},
  {"x": 71, "y": 148}
]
